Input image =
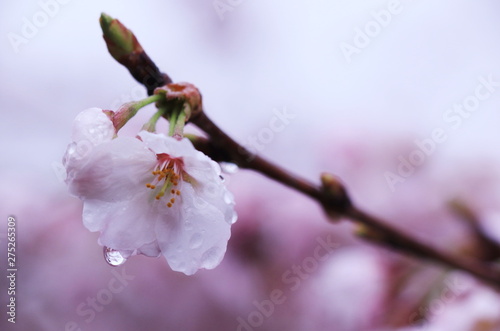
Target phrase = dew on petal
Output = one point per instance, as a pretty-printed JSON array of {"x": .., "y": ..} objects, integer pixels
[
  {"x": 228, "y": 197},
  {"x": 71, "y": 149},
  {"x": 211, "y": 257},
  {"x": 188, "y": 225},
  {"x": 229, "y": 168},
  {"x": 196, "y": 241},
  {"x": 113, "y": 257},
  {"x": 230, "y": 216},
  {"x": 199, "y": 203}
]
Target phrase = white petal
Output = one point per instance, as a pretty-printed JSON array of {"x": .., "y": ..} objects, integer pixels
[
  {"x": 196, "y": 237},
  {"x": 126, "y": 225},
  {"x": 159, "y": 143},
  {"x": 209, "y": 185},
  {"x": 114, "y": 171},
  {"x": 90, "y": 128},
  {"x": 94, "y": 126}
]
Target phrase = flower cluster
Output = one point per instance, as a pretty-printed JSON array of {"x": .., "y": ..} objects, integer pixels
[{"x": 151, "y": 194}]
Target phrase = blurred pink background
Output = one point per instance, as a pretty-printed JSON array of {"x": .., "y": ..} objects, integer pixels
[{"x": 353, "y": 117}]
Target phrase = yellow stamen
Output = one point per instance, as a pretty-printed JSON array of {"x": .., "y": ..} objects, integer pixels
[{"x": 167, "y": 178}]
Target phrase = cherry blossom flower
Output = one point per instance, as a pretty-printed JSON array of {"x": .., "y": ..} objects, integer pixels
[{"x": 150, "y": 195}]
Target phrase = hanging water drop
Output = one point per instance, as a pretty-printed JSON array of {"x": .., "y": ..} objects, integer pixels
[
  {"x": 113, "y": 257},
  {"x": 229, "y": 168}
]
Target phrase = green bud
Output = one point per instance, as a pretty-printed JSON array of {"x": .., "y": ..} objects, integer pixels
[{"x": 121, "y": 42}]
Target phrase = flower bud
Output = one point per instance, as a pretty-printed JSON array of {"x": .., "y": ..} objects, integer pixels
[
  {"x": 120, "y": 41},
  {"x": 335, "y": 199}
]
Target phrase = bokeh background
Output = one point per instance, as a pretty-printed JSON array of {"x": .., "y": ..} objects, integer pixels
[{"x": 354, "y": 116}]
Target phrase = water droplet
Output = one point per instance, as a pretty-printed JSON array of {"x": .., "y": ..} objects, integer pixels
[
  {"x": 228, "y": 198},
  {"x": 229, "y": 168},
  {"x": 188, "y": 225},
  {"x": 196, "y": 241},
  {"x": 113, "y": 257},
  {"x": 211, "y": 257},
  {"x": 199, "y": 203},
  {"x": 71, "y": 149}
]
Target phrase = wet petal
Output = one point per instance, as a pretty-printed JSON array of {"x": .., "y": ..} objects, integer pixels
[
  {"x": 94, "y": 126},
  {"x": 196, "y": 238},
  {"x": 126, "y": 225},
  {"x": 114, "y": 171}
]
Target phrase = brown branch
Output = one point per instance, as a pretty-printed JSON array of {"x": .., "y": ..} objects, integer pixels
[
  {"x": 143, "y": 69},
  {"x": 223, "y": 148},
  {"x": 487, "y": 248},
  {"x": 332, "y": 195}
]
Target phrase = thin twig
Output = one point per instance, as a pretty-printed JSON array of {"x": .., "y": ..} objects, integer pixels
[
  {"x": 488, "y": 249},
  {"x": 220, "y": 147},
  {"x": 382, "y": 234}
]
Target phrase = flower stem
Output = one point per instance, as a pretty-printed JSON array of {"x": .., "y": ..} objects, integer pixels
[
  {"x": 177, "y": 122},
  {"x": 151, "y": 124},
  {"x": 149, "y": 100},
  {"x": 179, "y": 125},
  {"x": 128, "y": 110},
  {"x": 172, "y": 121}
]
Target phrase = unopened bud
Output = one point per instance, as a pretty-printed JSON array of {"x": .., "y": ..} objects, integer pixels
[
  {"x": 124, "y": 114},
  {"x": 335, "y": 198},
  {"x": 120, "y": 41},
  {"x": 365, "y": 232}
]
